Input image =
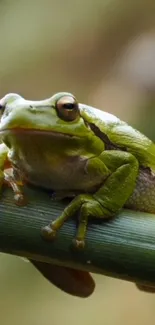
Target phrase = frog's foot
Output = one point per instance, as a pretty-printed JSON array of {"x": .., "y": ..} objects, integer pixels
[
  {"x": 60, "y": 195},
  {"x": 19, "y": 197},
  {"x": 78, "y": 244},
  {"x": 88, "y": 207},
  {"x": 48, "y": 233}
]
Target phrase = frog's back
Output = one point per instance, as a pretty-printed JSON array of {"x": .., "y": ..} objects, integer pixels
[{"x": 120, "y": 134}]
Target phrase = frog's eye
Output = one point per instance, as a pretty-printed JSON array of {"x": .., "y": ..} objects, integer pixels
[{"x": 67, "y": 108}]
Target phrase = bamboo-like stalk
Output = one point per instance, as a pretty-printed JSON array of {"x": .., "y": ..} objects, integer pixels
[{"x": 123, "y": 247}]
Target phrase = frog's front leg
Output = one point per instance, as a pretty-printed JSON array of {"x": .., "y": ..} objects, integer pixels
[
  {"x": 3, "y": 162},
  {"x": 16, "y": 187},
  {"x": 81, "y": 201},
  {"x": 122, "y": 170},
  {"x": 6, "y": 176}
]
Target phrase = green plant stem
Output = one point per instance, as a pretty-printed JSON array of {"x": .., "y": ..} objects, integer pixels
[{"x": 123, "y": 247}]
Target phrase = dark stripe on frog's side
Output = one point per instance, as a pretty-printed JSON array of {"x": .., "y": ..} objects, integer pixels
[{"x": 108, "y": 144}]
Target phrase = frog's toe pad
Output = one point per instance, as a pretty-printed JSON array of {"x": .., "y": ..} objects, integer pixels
[
  {"x": 20, "y": 199},
  {"x": 78, "y": 244},
  {"x": 48, "y": 233}
]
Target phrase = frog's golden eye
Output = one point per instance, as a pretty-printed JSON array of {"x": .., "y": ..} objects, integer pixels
[{"x": 67, "y": 108}]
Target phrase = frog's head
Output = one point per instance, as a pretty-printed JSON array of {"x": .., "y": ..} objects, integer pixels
[{"x": 59, "y": 114}]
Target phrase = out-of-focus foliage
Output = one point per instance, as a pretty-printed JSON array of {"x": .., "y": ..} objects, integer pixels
[{"x": 103, "y": 51}]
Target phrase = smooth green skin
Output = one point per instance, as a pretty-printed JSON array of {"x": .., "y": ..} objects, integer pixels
[{"x": 97, "y": 158}]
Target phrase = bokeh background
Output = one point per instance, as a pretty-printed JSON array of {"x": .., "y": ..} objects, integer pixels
[{"x": 103, "y": 51}]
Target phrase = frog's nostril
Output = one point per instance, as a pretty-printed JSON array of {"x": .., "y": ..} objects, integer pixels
[{"x": 32, "y": 108}]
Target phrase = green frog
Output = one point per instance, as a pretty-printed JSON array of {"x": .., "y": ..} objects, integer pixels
[{"x": 77, "y": 151}]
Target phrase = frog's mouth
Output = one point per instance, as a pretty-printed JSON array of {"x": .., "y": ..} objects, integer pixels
[{"x": 30, "y": 132}]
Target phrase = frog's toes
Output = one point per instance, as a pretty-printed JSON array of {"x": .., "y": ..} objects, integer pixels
[
  {"x": 48, "y": 233},
  {"x": 78, "y": 244},
  {"x": 20, "y": 199}
]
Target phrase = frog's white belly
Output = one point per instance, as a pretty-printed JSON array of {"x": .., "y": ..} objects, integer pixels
[{"x": 67, "y": 173}]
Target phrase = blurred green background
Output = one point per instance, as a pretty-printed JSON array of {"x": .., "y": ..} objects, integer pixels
[{"x": 103, "y": 51}]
